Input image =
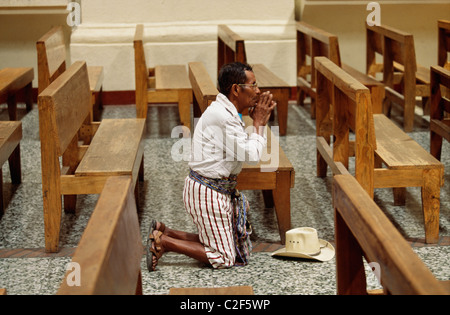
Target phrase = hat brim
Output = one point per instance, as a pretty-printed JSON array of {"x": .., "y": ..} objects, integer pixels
[{"x": 326, "y": 252}]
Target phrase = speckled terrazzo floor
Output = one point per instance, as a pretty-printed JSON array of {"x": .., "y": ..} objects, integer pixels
[{"x": 32, "y": 272}]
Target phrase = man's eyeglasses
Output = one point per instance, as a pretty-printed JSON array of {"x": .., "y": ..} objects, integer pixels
[{"x": 253, "y": 86}]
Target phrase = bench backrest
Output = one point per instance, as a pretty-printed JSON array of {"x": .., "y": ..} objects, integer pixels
[
  {"x": 110, "y": 250},
  {"x": 348, "y": 102},
  {"x": 51, "y": 51},
  {"x": 440, "y": 104},
  {"x": 396, "y": 47},
  {"x": 440, "y": 98},
  {"x": 361, "y": 227},
  {"x": 141, "y": 70},
  {"x": 63, "y": 107},
  {"x": 444, "y": 44},
  {"x": 231, "y": 47},
  {"x": 313, "y": 42},
  {"x": 203, "y": 87}
]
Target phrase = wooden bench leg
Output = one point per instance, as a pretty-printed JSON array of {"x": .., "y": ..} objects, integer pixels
[
  {"x": 184, "y": 107},
  {"x": 426, "y": 101},
  {"x": 301, "y": 96},
  {"x": 431, "y": 205},
  {"x": 139, "y": 290},
  {"x": 12, "y": 107},
  {"x": 408, "y": 114},
  {"x": 313, "y": 108},
  {"x": 321, "y": 165},
  {"x": 282, "y": 201},
  {"x": 436, "y": 145},
  {"x": 15, "y": 167},
  {"x": 2, "y": 209},
  {"x": 28, "y": 90},
  {"x": 16, "y": 174},
  {"x": 141, "y": 170},
  {"x": 399, "y": 196},
  {"x": 52, "y": 219},
  {"x": 282, "y": 98},
  {"x": 70, "y": 203},
  {"x": 70, "y": 160},
  {"x": 387, "y": 106},
  {"x": 136, "y": 195},
  {"x": 97, "y": 105},
  {"x": 268, "y": 198},
  {"x": 350, "y": 273},
  {"x": 141, "y": 109}
]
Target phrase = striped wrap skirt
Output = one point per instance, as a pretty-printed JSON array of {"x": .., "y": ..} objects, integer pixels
[{"x": 220, "y": 213}]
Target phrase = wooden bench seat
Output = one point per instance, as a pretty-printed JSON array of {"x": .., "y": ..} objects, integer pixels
[
  {"x": 313, "y": 42},
  {"x": 377, "y": 141},
  {"x": 231, "y": 48},
  {"x": 274, "y": 175},
  {"x": 104, "y": 158},
  {"x": 362, "y": 229},
  {"x": 13, "y": 80},
  {"x": 116, "y": 148},
  {"x": 52, "y": 54},
  {"x": 161, "y": 84},
  {"x": 10, "y": 136},
  {"x": 403, "y": 78},
  {"x": 439, "y": 109},
  {"x": 110, "y": 251}
]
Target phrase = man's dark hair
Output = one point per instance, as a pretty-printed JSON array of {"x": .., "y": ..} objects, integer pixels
[{"x": 232, "y": 73}]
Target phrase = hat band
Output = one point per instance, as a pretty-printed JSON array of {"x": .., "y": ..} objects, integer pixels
[
  {"x": 320, "y": 251},
  {"x": 315, "y": 254}
]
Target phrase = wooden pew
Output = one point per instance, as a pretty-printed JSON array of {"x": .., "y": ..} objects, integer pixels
[
  {"x": 203, "y": 89},
  {"x": 443, "y": 44},
  {"x": 231, "y": 48},
  {"x": 51, "y": 52},
  {"x": 116, "y": 148},
  {"x": 12, "y": 81},
  {"x": 439, "y": 109},
  {"x": 110, "y": 250},
  {"x": 444, "y": 48},
  {"x": 403, "y": 78},
  {"x": 162, "y": 84},
  {"x": 277, "y": 180},
  {"x": 377, "y": 140},
  {"x": 362, "y": 229},
  {"x": 10, "y": 136},
  {"x": 313, "y": 42}
]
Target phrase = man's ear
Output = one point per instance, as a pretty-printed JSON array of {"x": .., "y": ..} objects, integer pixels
[{"x": 235, "y": 90}]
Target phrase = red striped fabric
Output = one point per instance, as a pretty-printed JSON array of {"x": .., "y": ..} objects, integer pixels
[{"x": 212, "y": 213}]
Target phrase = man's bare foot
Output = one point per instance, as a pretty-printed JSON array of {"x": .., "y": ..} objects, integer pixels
[{"x": 160, "y": 227}]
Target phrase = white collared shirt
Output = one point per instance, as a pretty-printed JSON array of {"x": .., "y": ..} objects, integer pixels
[{"x": 221, "y": 145}]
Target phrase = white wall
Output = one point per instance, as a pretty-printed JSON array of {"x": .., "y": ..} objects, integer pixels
[
  {"x": 22, "y": 23},
  {"x": 346, "y": 19},
  {"x": 180, "y": 31}
]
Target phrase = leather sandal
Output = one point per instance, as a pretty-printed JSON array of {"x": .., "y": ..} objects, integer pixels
[{"x": 153, "y": 245}]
